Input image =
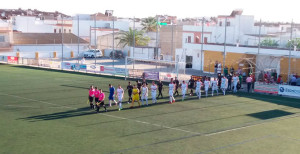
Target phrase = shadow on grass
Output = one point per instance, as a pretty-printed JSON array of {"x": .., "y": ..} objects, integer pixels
[
  {"x": 279, "y": 100},
  {"x": 86, "y": 111},
  {"x": 270, "y": 114}
]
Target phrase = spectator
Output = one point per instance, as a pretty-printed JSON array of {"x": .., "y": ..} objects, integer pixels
[
  {"x": 239, "y": 71},
  {"x": 279, "y": 80},
  {"x": 219, "y": 69},
  {"x": 253, "y": 80},
  {"x": 294, "y": 81},
  {"x": 298, "y": 81},
  {"x": 240, "y": 81},
  {"x": 216, "y": 67},
  {"x": 229, "y": 81},
  {"x": 231, "y": 70},
  {"x": 249, "y": 82},
  {"x": 261, "y": 76},
  {"x": 226, "y": 71}
]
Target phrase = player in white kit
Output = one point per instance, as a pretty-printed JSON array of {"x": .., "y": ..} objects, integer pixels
[
  {"x": 235, "y": 80},
  {"x": 206, "y": 86},
  {"x": 171, "y": 91},
  {"x": 224, "y": 83},
  {"x": 153, "y": 92},
  {"x": 183, "y": 89},
  {"x": 198, "y": 88},
  {"x": 120, "y": 94},
  {"x": 214, "y": 85},
  {"x": 144, "y": 94}
]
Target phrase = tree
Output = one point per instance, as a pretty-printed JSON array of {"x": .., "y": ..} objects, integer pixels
[
  {"x": 149, "y": 24},
  {"x": 294, "y": 42},
  {"x": 126, "y": 38},
  {"x": 269, "y": 43}
]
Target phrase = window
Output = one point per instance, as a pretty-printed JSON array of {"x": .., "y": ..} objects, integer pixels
[
  {"x": 189, "y": 39},
  {"x": 197, "y": 39},
  {"x": 220, "y": 23},
  {"x": 59, "y": 30},
  {"x": 54, "y": 30},
  {"x": 65, "y": 30},
  {"x": 69, "y": 30},
  {"x": 2, "y": 39},
  {"x": 228, "y": 23}
]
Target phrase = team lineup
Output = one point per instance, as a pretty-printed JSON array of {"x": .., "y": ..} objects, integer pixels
[{"x": 139, "y": 92}]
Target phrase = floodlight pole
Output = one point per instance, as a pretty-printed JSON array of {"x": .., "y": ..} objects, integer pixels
[
  {"x": 95, "y": 39},
  {"x": 258, "y": 49},
  {"x": 202, "y": 44},
  {"x": 225, "y": 44},
  {"x": 62, "y": 38},
  {"x": 113, "y": 43},
  {"x": 78, "y": 40},
  {"x": 290, "y": 50},
  {"x": 133, "y": 41}
]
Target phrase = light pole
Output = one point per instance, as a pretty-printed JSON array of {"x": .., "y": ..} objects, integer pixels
[
  {"x": 259, "y": 33},
  {"x": 133, "y": 41},
  {"x": 291, "y": 37},
  {"x": 201, "y": 69},
  {"x": 225, "y": 44}
]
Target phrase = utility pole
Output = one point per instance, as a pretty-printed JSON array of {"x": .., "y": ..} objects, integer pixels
[
  {"x": 95, "y": 39},
  {"x": 259, "y": 37},
  {"x": 202, "y": 44},
  {"x": 225, "y": 44},
  {"x": 156, "y": 40},
  {"x": 62, "y": 38},
  {"x": 172, "y": 40},
  {"x": 290, "y": 50},
  {"x": 78, "y": 40},
  {"x": 133, "y": 41},
  {"x": 113, "y": 42}
]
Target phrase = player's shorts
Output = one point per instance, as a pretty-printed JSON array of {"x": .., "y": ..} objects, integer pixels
[
  {"x": 96, "y": 100},
  {"x": 111, "y": 97},
  {"x": 215, "y": 88},
  {"x": 153, "y": 94},
  {"x": 100, "y": 103},
  {"x": 144, "y": 97},
  {"x": 171, "y": 93},
  {"x": 135, "y": 98},
  {"x": 198, "y": 90},
  {"x": 183, "y": 91},
  {"x": 129, "y": 93},
  {"x": 91, "y": 99},
  {"x": 120, "y": 98},
  {"x": 206, "y": 88}
]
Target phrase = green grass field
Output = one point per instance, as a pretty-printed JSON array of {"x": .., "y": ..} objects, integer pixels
[{"x": 44, "y": 111}]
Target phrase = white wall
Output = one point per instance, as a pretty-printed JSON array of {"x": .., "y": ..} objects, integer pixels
[
  {"x": 143, "y": 53},
  {"x": 32, "y": 25},
  {"x": 46, "y": 51}
]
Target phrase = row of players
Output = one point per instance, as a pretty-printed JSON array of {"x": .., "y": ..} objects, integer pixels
[{"x": 137, "y": 93}]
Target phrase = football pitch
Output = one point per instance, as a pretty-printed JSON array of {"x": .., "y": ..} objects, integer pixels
[{"x": 45, "y": 111}]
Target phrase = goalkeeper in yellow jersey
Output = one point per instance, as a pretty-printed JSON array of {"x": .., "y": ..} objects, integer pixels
[{"x": 135, "y": 96}]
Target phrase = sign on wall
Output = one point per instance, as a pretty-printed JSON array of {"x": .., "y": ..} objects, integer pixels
[
  {"x": 265, "y": 88},
  {"x": 12, "y": 59},
  {"x": 288, "y": 90},
  {"x": 73, "y": 66}
]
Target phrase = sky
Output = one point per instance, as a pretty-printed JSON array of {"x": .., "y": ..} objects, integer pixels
[{"x": 267, "y": 10}]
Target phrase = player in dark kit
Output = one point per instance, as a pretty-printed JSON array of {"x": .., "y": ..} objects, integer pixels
[
  {"x": 101, "y": 100},
  {"x": 160, "y": 88},
  {"x": 176, "y": 86},
  {"x": 129, "y": 89},
  {"x": 191, "y": 85},
  {"x": 139, "y": 86}
]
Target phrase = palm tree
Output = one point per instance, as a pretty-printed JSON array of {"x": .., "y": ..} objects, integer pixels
[
  {"x": 126, "y": 38},
  {"x": 149, "y": 24}
]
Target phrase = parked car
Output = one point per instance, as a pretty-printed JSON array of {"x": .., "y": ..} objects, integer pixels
[
  {"x": 118, "y": 54},
  {"x": 92, "y": 53}
]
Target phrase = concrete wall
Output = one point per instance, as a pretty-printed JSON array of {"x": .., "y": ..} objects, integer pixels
[{"x": 46, "y": 51}]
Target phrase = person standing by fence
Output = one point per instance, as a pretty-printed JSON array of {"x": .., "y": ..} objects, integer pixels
[
  {"x": 249, "y": 82},
  {"x": 160, "y": 88}
]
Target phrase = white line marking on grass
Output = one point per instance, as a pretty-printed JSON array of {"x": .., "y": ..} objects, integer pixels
[
  {"x": 37, "y": 101},
  {"x": 36, "y": 107},
  {"x": 157, "y": 125}
]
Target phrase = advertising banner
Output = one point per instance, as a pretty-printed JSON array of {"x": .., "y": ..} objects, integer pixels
[
  {"x": 288, "y": 90},
  {"x": 44, "y": 63},
  {"x": 265, "y": 88},
  {"x": 93, "y": 69},
  {"x": 55, "y": 64},
  {"x": 73, "y": 66},
  {"x": 12, "y": 59},
  {"x": 112, "y": 70},
  {"x": 151, "y": 75}
]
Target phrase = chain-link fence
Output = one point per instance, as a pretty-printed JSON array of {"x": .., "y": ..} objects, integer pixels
[{"x": 227, "y": 45}]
